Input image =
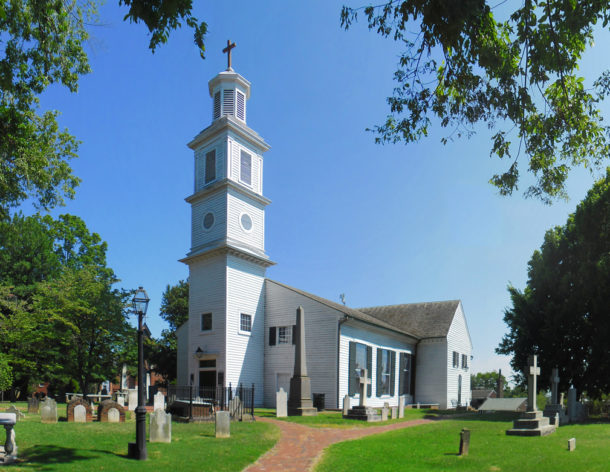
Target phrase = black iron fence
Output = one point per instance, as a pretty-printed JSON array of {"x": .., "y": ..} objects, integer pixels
[{"x": 200, "y": 403}]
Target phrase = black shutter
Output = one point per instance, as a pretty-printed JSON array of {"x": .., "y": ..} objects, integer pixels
[
  {"x": 369, "y": 367},
  {"x": 295, "y": 333},
  {"x": 413, "y": 376},
  {"x": 401, "y": 373},
  {"x": 392, "y": 372},
  {"x": 351, "y": 378},
  {"x": 378, "y": 374},
  {"x": 272, "y": 336}
]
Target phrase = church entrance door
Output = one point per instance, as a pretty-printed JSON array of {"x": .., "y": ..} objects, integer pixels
[{"x": 207, "y": 378}]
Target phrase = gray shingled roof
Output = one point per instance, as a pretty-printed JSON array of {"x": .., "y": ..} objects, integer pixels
[
  {"x": 502, "y": 404},
  {"x": 425, "y": 320},
  {"x": 480, "y": 393},
  {"x": 356, "y": 314}
]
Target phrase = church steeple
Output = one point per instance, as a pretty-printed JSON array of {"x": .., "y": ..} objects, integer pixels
[{"x": 229, "y": 91}]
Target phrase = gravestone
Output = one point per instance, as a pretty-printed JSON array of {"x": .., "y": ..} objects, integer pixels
[
  {"x": 554, "y": 410},
  {"x": 33, "y": 405},
  {"x": 15, "y": 410},
  {"x": 300, "y": 402},
  {"x": 105, "y": 412},
  {"x": 345, "y": 404},
  {"x": 79, "y": 410},
  {"x": 159, "y": 401},
  {"x": 132, "y": 399},
  {"x": 532, "y": 422},
  {"x": 161, "y": 426},
  {"x": 281, "y": 409},
  {"x": 576, "y": 410},
  {"x": 120, "y": 399},
  {"x": 384, "y": 414},
  {"x": 80, "y": 414},
  {"x": 464, "y": 441},
  {"x": 361, "y": 411},
  {"x": 571, "y": 444},
  {"x": 234, "y": 407},
  {"x": 113, "y": 415},
  {"x": 223, "y": 424},
  {"x": 48, "y": 411},
  {"x": 401, "y": 406},
  {"x": 8, "y": 452},
  {"x": 394, "y": 411}
]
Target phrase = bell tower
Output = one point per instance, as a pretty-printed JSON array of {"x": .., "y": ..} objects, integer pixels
[{"x": 227, "y": 259}]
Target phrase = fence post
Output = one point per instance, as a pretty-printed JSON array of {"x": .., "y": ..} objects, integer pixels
[
  {"x": 190, "y": 402},
  {"x": 252, "y": 404}
]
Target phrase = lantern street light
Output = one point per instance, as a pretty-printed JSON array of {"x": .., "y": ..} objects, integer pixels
[{"x": 137, "y": 450}]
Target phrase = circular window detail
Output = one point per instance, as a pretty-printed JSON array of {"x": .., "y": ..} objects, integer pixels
[
  {"x": 208, "y": 220},
  {"x": 246, "y": 222}
]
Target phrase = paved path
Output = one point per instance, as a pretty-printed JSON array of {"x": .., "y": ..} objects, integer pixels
[{"x": 300, "y": 447}]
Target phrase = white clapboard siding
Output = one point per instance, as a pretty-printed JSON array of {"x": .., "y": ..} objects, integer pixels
[
  {"x": 245, "y": 294},
  {"x": 217, "y": 205},
  {"x": 236, "y": 145},
  {"x": 238, "y": 204},
  {"x": 356, "y": 331},
  {"x": 220, "y": 146},
  {"x": 321, "y": 322},
  {"x": 182, "y": 341},
  {"x": 458, "y": 340},
  {"x": 207, "y": 279},
  {"x": 431, "y": 371}
]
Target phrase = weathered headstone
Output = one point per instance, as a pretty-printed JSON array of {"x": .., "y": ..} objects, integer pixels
[
  {"x": 300, "y": 402},
  {"x": 33, "y": 405},
  {"x": 8, "y": 453},
  {"x": 120, "y": 399},
  {"x": 113, "y": 415},
  {"x": 464, "y": 441},
  {"x": 346, "y": 404},
  {"x": 80, "y": 414},
  {"x": 15, "y": 410},
  {"x": 576, "y": 410},
  {"x": 159, "y": 401},
  {"x": 384, "y": 413},
  {"x": 223, "y": 424},
  {"x": 161, "y": 426},
  {"x": 132, "y": 399},
  {"x": 394, "y": 411},
  {"x": 401, "y": 406},
  {"x": 48, "y": 411},
  {"x": 234, "y": 406},
  {"x": 571, "y": 444},
  {"x": 281, "y": 409}
]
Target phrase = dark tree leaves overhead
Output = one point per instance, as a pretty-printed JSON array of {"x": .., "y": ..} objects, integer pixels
[
  {"x": 517, "y": 75},
  {"x": 562, "y": 315}
]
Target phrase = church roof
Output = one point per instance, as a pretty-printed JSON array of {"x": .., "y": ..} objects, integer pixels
[
  {"x": 425, "y": 320},
  {"x": 356, "y": 314}
]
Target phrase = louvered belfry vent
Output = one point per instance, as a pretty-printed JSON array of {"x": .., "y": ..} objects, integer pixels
[
  {"x": 241, "y": 106},
  {"x": 216, "y": 105},
  {"x": 228, "y": 102}
]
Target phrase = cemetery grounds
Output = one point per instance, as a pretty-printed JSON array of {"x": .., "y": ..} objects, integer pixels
[{"x": 103, "y": 446}]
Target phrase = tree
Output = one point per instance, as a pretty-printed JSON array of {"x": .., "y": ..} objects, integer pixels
[
  {"x": 486, "y": 380},
  {"x": 517, "y": 75},
  {"x": 562, "y": 314},
  {"x": 175, "y": 304},
  {"x": 43, "y": 45},
  {"x": 6, "y": 373}
]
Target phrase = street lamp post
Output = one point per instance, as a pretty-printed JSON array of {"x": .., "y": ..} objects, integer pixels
[{"x": 137, "y": 450}]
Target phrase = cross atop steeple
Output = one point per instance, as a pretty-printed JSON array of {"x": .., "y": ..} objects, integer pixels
[{"x": 230, "y": 46}]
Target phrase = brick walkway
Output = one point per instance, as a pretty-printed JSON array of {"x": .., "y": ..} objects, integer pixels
[{"x": 300, "y": 447}]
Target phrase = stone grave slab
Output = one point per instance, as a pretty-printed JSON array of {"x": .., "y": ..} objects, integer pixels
[
  {"x": 159, "y": 401},
  {"x": 223, "y": 424},
  {"x": 401, "y": 406},
  {"x": 160, "y": 426},
  {"x": 106, "y": 415},
  {"x": 281, "y": 407},
  {"x": 79, "y": 410},
  {"x": 33, "y": 405},
  {"x": 48, "y": 411}
]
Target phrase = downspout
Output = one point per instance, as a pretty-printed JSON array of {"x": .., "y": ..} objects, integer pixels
[{"x": 339, "y": 323}]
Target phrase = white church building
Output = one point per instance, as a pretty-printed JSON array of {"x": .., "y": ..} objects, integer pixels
[{"x": 240, "y": 323}]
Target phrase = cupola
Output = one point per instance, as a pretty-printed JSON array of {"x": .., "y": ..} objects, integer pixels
[{"x": 229, "y": 92}]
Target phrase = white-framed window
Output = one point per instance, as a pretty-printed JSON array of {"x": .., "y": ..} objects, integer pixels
[
  {"x": 245, "y": 323},
  {"x": 245, "y": 221},
  {"x": 464, "y": 361},
  {"x": 284, "y": 335},
  {"x": 456, "y": 359},
  {"x": 385, "y": 372},
  {"x": 210, "y": 166},
  {"x": 208, "y": 221},
  {"x": 245, "y": 168},
  {"x": 206, "y": 322}
]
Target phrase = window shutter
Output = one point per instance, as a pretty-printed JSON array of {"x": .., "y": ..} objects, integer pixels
[
  {"x": 241, "y": 106},
  {"x": 295, "y": 333},
  {"x": 272, "y": 336},
  {"x": 401, "y": 373},
  {"x": 210, "y": 166},
  {"x": 352, "y": 388},
  {"x": 369, "y": 367},
  {"x": 378, "y": 373},
  {"x": 412, "y": 376},
  {"x": 228, "y": 102},
  {"x": 216, "y": 105},
  {"x": 392, "y": 372}
]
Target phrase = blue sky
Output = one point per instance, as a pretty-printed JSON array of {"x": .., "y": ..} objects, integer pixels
[{"x": 382, "y": 224}]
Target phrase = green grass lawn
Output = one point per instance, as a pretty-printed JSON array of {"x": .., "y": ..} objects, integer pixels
[
  {"x": 103, "y": 446},
  {"x": 434, "y": 447}
]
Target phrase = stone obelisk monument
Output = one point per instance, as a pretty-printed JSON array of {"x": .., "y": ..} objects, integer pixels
[{"x": 299, "y": 401}]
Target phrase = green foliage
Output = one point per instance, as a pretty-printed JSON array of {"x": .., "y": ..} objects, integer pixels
[
  {"x": 175, "y": 304},
  {"x": 519, "y": 76},
  {"x": 562, "y": 315},
  {"x": 486, "y": 380},
  {"x": 6, "y": 373}
]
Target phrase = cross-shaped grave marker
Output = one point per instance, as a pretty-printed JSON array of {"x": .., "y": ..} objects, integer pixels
[
  {"x": 554, "y": 386},
  {"x": 533, "y": 371},
  {"x": 230, "y": 46},
  {"x": 364, "y": 381}
]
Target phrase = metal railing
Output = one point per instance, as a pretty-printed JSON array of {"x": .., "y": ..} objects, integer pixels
[{"x": 202, "y": 402}]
